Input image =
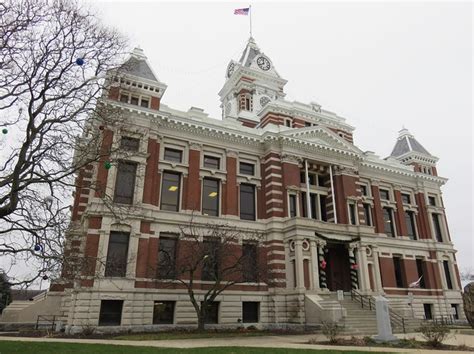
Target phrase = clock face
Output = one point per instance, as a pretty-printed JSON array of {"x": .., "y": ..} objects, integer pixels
[
  {"x": 263, "y": 63},
  {"x": 230, "y": 69}
]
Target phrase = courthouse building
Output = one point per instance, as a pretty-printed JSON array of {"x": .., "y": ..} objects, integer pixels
[{"x": 333, "y": 216}]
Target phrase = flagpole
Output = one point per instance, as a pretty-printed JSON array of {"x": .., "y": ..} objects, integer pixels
[{"x": 250, "y": 14}]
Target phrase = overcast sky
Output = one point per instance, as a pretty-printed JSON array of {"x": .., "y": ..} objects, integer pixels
[{"x": 381, "y": 65}]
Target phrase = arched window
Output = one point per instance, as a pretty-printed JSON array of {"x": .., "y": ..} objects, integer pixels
[{"x": 246, "y": 102}]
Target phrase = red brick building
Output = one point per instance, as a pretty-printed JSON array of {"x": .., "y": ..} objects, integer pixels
[{"x": 334, "y": 217}]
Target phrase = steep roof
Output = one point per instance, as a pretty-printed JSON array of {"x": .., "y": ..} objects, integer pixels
[
  {"x": 406, "y": 143},
  {"x": 137, "y": 65}
]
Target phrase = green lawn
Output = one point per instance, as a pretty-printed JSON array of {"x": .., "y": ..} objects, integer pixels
[
  {"x": 190, "y": 335},
  {"x": 8, "y": 347}
]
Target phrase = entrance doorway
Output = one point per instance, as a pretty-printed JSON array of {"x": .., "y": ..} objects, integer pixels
[{"x": 338, "y": 267}]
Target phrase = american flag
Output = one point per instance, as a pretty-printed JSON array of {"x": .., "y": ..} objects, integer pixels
[{"x": 244, "y": 11}]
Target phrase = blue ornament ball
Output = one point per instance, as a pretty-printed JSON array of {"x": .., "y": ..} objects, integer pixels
[
  {"x": 37, "y": 247},
  {"x": 80, "y": 61},
  {"x": 45, "y": 277},
  {"x": 4, "y": 130}
]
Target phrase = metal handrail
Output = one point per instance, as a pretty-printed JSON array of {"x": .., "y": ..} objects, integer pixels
[
  {"x": 46, "y": 318},
  {"x": 368, "y": 301}
]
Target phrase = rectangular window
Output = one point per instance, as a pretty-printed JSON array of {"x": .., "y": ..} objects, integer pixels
[
  {"x": 288, "y": 122},
  {"x": 406, "y": 198},
  {"x": 210, "y": 197},
  {"x": 389, "y": 228},
  {"x": 124, "y": 98},
  {"x": 437, "y": 227},
  {"x": 210, "y": 267},
  {"x": 116, "y": 265},
  {"x": 125, "y": 182},
  {"x": 384, "y": 194},
  {"x": 447, "y": 274},
  {"x": 322, "y": 207},
  {"x": 352, "y": 214},
  {"x": 170, "y": 191},
  {"x": 421, "y": 273},
  {"x": 312, "y": 202},
  {"x": 167, "y": 256},
  {"x": 367, "y": 214},
  {"x": 163, "y": 312},
  {"x": 363, "y": 190},
  {"x": 428, "y": 311},
  {"x": 212, "y": 162},
  {"x": 432, "y": 201},
  {"x": 247, "y": 202},
  {"x": 292, "y": 200},
  {"x": 250, "y": 312},
  {"x": 212, "y": 313},
  {"x": 307, "y": 124},
  {"x": 110, "y": 312},
  {"x": 410, "y": 222},
  {"x": 398, "y": 272},
  {"x": 129, "y": 144},
  {"x": 247, "y": 169},
  {"x": 455, "y": 311},
  {"x": 173, "y": 155},
  {"x": 134, "y": 100},
  {"x": 144, "y": 102},
  {"x": 249, "y": 262},
  {"x": 313, "y": 178}
]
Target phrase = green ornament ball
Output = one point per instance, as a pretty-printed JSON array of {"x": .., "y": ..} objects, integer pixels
[
  {"x": 108, "y": 165},
  {"x": 4, "y": 130}
]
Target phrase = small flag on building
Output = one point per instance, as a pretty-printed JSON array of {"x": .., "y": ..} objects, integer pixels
[
  {"x": 244, "y": 11},
  {"x": 415, "y": 284}
]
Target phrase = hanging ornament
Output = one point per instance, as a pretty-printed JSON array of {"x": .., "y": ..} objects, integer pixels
[
  {"x": 101, "y": 127},
  {"x": 323, "y": 264},
  {"x": 80, "y": 61},
  {"x": 107, "y": 165},
  {"x": 45, "y": 277},
  {"x": 38, "y": 247},
  {"x": 4, "y": 130},
  {"x": 355, "y": 266}
]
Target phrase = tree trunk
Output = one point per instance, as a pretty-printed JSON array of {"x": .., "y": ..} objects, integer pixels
[{"x": 202, "y": 319}]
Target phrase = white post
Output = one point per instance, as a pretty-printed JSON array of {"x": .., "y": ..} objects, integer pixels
[
  {"x": 315, "y": 265},
  {"x": 308, "y": 202},
  {"x": 332, "y": 194}
]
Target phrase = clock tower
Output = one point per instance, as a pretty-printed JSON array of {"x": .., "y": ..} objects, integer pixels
[{"x": 251, "y": 83}]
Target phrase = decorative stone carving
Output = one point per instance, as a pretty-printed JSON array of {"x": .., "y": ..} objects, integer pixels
[
  {"x": 468, "y": 299},
  {"x": 345, "y": 170},
  {"x": 290, "y": 158},
  {"x": 195, "y": 146},
  {"x": 232, "y": 153}
]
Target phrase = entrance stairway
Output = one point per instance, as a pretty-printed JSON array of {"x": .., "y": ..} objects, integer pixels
[{"x": 360, "y": 320}]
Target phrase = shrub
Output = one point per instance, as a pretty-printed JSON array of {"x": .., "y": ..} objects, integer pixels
[
  {"x": 87, "y": 329},
  {"x": 434, "y": 333},
  {"x": 332, "y": 331}
]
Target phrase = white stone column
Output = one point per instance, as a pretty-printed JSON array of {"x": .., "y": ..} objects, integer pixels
[
  {"x": 377, "y": 275},
  {"x": 299, "y": 263},
  {"x": 364, "y": 281},
  {"x": 314, "y": 265}
]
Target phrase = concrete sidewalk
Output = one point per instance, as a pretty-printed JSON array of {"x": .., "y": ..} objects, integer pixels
[{"x": 293, "y": 341}]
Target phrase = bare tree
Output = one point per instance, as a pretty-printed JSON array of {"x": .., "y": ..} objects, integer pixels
[
  {"x": 53, "y": 59},
  {"x": 210, "y": 258}
]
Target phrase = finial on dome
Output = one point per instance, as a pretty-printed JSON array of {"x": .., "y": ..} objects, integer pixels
[
  {"x": 139, "y": 53},
  {"x": 404, "y": 132}
]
